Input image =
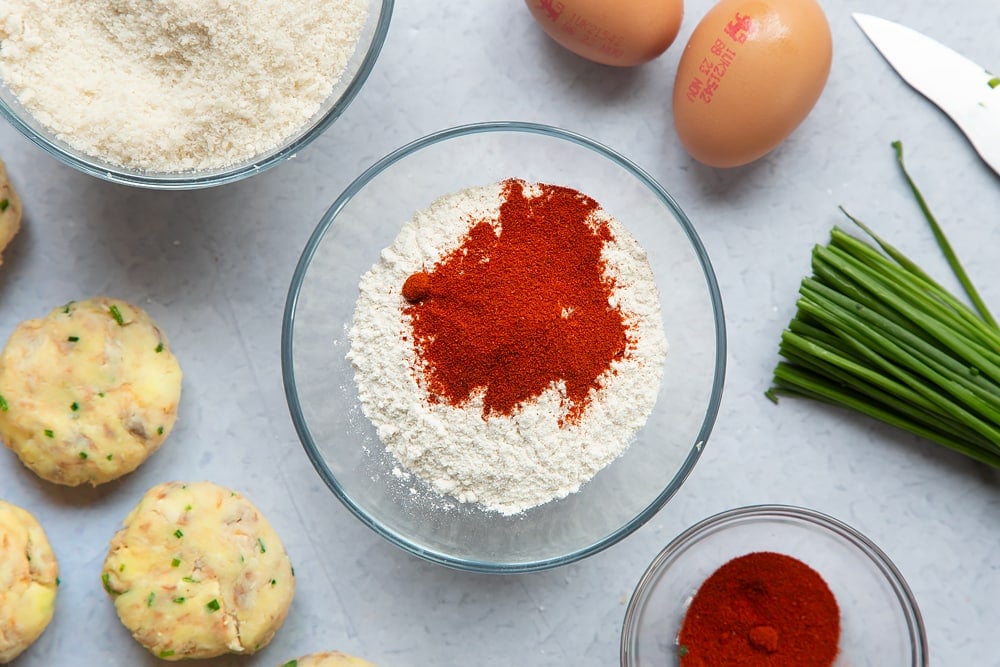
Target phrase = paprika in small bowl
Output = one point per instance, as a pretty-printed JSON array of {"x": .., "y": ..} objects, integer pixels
[{"x": 772, "y": 585}]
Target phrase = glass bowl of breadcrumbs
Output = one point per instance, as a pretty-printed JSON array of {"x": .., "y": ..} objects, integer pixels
[{"x": 171, "y": 96}]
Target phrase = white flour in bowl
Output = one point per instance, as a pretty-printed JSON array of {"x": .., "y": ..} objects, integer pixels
[
  {"x": 176, "y": 85},
  {"x": 506, "y": 463}
]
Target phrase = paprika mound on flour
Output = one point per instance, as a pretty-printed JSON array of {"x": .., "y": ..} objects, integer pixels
[
  {"x": 514, "y": 311},
  {"x": 762, "y": 609},
  {"x": 508, "y": 344}
]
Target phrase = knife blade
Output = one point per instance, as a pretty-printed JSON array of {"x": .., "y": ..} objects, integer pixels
[{"x": 965, "y": 91}]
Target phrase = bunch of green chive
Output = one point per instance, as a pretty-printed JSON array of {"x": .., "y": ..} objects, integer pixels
[{"x": 873, "y": 333}]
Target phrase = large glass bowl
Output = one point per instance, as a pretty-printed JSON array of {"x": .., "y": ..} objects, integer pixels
[
  {"x": 353, "y": 78},
  {"x": 319, "y": 380},
  {"x": 880, "y": 623}
]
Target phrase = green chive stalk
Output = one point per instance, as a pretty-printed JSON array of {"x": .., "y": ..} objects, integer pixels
[{"x": 873, "y": 333}]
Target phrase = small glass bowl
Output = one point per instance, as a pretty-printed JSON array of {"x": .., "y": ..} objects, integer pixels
[
  {"x": 881, "y": 625},
  {"x": 353, "y": 78},
  {"x": 323, "y": 398}
]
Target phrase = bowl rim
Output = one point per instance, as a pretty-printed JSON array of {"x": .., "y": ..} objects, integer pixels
[
  {"x": 907, "y": 601},
  {"x": 188, "y": 180},
  {"x": 288, "y": 373}
]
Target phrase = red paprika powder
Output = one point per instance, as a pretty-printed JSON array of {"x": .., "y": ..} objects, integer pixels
[
  {"x": 762, "y": 609},
  {"x": 514, "y": 310},
  {"x": 417, "y": 287}
]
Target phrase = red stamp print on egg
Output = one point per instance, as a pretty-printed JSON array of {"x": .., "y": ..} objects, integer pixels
[
  {"x": 552, "y": 8},
  {"x": 589, "y": 32},
  {"x": 694, "y": 89},
  {"x": 722, "y": 54},
  {"x": 725, "y": 54},
  {"x": 739, "y": 27}
]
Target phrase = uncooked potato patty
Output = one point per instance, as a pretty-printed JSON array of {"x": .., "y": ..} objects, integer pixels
[
  {"x": 87, "y": 392},
  {"x": 28, "y": 581},
  {"x": 327, "y": 659},
  {"x": 196, "y": 571},
  {"x": 10, "y": 210}
]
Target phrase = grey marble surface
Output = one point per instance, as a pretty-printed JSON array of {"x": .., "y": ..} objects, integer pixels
[{"x": 213, "y": 268}]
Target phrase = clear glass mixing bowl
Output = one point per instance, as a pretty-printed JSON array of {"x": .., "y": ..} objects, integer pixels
[
  {"x": 880, "y": 622},
  {"x": 319, "y": 380},
  {"x": 353, "y": 78}
]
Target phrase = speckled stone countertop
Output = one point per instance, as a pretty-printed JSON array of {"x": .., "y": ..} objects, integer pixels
[{"x": 213, "y": 268}]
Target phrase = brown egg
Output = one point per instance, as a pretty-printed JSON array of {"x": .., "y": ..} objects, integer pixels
[
  {"x": 612, "y": 32},
  {"x": 749, "y": 75}
]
